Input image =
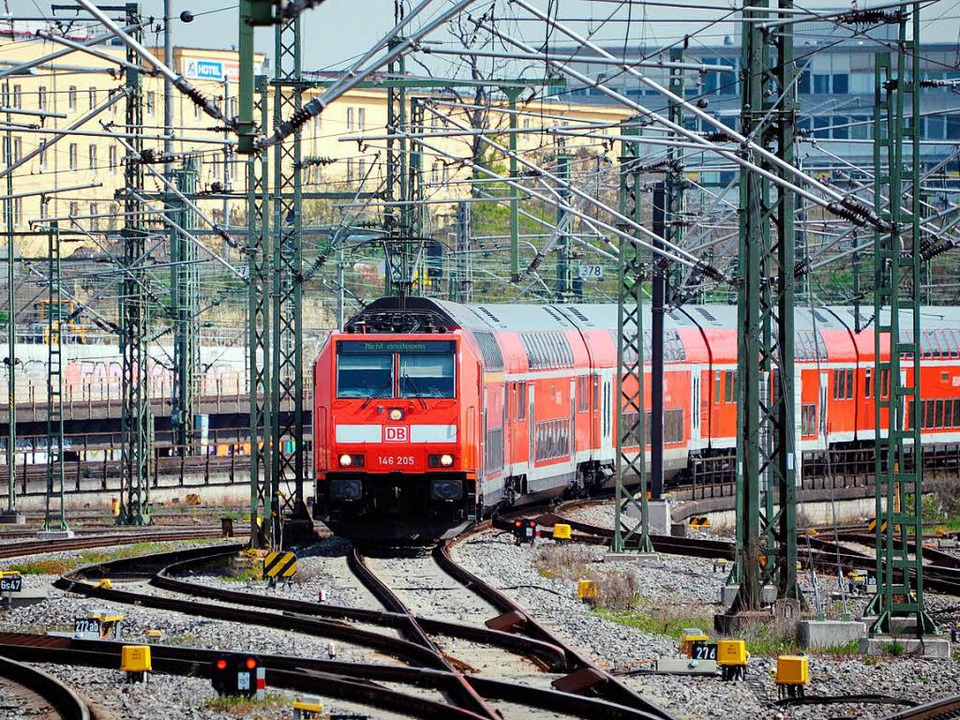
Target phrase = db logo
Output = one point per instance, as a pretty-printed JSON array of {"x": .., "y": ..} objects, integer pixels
[{"x": 396, "y": 433}]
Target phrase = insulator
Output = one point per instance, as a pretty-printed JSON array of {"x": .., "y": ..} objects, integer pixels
[{"x": 717, "y": 136}]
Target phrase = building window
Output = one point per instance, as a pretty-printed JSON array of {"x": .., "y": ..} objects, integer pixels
[
  {"x": 112, "y": 159},
  {"x": 349, "y": 118},
  {"x": 92, "y": 155},
  {"x": 74, "y": 209},
  {"x": 841, "y": 84},
  {"x": 92, "y": 97},
  {"x": 72, "y": 98},
  {"x": 42, "y": 158},
  {"x": 361, "y": 169},
  {"x": 151, "y": 102},
  {"x": 361, "y": 119},
  {"x": 17, "y": 96},
  {"x": 42, "y": 98},
  {"x": 94, "y": 218},
  {"x": 350, "y": 176},
  {"x": 73, "y": 157},
  {"x": 17, "y": 149}
]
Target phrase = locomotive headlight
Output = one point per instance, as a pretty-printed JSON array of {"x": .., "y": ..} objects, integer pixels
[
  {"x": 437, "y": 461},
  {"x": 395, "y": 414},
  {"x": 346, "y": 460}
]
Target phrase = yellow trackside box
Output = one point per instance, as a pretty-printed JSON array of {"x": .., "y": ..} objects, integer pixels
[
  {"x": 731, "y": 652},
  {"x": 135, "y": 658},
  {"x": 587, "y": 589},
  {"x": 689, "y": 637},
  {"x": 793, "y": 670},
  {"x": 561, "y": 531}
]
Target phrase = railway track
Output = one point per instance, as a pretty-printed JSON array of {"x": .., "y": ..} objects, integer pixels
[
  {"x": 944, "y": 709},
  {"x": 604, "y": 697},
  {"x": 37, "y": 547},
  {"x": 43, "y": 695}
]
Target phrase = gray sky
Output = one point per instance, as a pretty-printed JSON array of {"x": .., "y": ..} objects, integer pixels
[{"x": 339, "y": 30}]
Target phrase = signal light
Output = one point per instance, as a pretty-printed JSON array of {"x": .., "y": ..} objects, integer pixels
[{"x": 238, "y": 674}]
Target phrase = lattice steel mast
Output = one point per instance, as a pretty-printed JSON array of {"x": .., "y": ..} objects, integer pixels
[
  {"x": 136, "y": 412},
  {"x": 54, "y": 517},
  {"x": 185, "y": 304},
  {"x": 631, "y": 410},
  {"x": 397, "y": 245},
  {"x": 896, "y": 388},
  {"x": 766, "y": 441},
  {"x": 286, "y": 437}
]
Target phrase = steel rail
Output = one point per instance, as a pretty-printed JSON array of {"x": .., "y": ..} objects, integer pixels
[
  {"x": 550, "y": 656},
  {"x": 335, "y": 678},
  {"x": 135, "y": 567},
  {"x": 467, "y": 695},
  {"x": 937, "y": 710},
  {"x": 439, "y": 678},
  {"x": 609, "y": 687},
  {"x": 58, "y": 695}
]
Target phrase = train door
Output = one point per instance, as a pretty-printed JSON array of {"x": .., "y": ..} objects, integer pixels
[
  {"x": 573, "y": 420},
  {"x": 606, "y": 413},
  {"x": 823, "y": 424},
  {"x": 531, "y": 426},
  {"x": 506, "y": 442},
  {"x": 482, "y": 464},
  {"x": 695, "y": 409}
]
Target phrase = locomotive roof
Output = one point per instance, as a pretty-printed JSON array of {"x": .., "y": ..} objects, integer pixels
[{"x": 520, "y": 318}]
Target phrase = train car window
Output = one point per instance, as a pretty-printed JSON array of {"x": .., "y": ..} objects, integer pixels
[
  {"x": 365, "y": 376},
  {"x": 938, "y": 421},
  {"x": 522, "y": 401},
  {"x": 928, "y": 413},
  {"x": 808, "y": 419},
  {"x": 954, "y": 342},
  {"x": 583, "y": 394},
  {"x": 910, "y": 419},
  {"x": 596, "y": 392},
  {"x": 728, "y": 387},
  {"x": 427, "y": 375},
  {"x": 867, "y": 377},
  {"x": 838, "y": 381},
  {"x": 956, "y": 413},
  {"x": 716, "y": 388},
  {"x": 849, "y": 384},
  {"x": 885, "y": 383},
  {"x": 672, "y": 425}
]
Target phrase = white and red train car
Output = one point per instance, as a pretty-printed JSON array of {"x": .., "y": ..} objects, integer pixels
[{"x": 428, "y": 414}]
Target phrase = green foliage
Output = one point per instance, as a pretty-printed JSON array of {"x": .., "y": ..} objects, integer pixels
[
  {"x": 239, "y": 706},
  {"x": 670, "y": 620}
]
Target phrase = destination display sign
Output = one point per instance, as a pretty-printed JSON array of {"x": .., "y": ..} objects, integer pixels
[{"x": 379, "y": 347}]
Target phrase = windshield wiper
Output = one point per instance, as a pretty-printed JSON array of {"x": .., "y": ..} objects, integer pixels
[
  {"x": 416, "y": 389},
  {"x": 376, "y": 393}
]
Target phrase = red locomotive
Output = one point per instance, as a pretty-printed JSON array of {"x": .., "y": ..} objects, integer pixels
[{"x": 429, "y": 414}]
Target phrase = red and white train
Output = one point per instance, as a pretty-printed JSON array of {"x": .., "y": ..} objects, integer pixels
[{"x": 429, "y": 414}]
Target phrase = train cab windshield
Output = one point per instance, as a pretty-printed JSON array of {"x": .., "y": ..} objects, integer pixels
[{"x": 396, "y": 369}]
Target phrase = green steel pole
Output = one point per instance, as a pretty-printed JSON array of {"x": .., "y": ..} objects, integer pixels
[{"x": 8, "y": 205}]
